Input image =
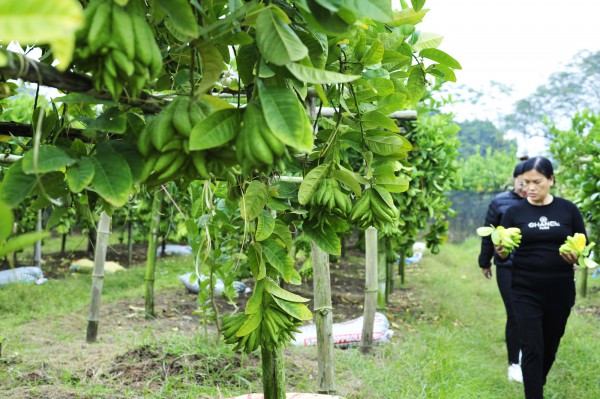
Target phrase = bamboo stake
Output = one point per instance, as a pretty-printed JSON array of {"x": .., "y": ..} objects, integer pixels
[
  {"x": 370, "y": 289},
  {"x": 98, "y": 276},
  {"x": 381, "y": 275},
  {"x": 324, "y": 319},
  {"x": 151, "y": 255}
]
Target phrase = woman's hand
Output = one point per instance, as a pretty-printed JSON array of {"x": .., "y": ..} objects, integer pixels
[
  {"x": 570, "y": 257},
  {"x": 500, "y": 251},
  {"x": 487, "y": 272}
]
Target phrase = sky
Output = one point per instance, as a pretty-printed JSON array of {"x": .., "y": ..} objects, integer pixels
[{"x": 519, "y": 43}]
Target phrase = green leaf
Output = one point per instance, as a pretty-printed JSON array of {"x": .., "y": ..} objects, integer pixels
[
  {"x": 387, "y": 144},
  {"x": 38, "y": 22},
  {"x": 447, "y": 73},
  {"x": 348, "y": 178},
  {"x": 254, "y": 200},
  {"x": 407, "y": 16},
  {"x": 375, "y": 119},
  {"x": 246, "y": 59},
  {"x": 277, "y": 42},
  {"x": 325, "y": 237},
  {"x": 286, "y": 117},
  {"x": 16, "y": 185},
  {"x": 427, "y": 40},
  {"x": 265, "y": 226},
  {"x": 256, "y": 299},
  {"x": 22, "y": 241},
  {"x": 318, "y": 76},
  {"x": 112, "y": 178},
  {"x": 377, "y": 10},
  {"x": 80, "y": 175},
  {"x": 50, "y": 159},
  {"x": 113, "y": 120},
  {"x": 441, "y": 57},
  {"x": 297, "y": 310},
  {"x": 57, "y": 214},
  {"x": 394, "y": 184},
  {"x": 182, "y": 15},
  {"x": 277, "y": 256},
  {"x": 416, "y": 84},
  {"x": 6, "y": 222},
  {"x": 256, "y": 262},
  {"x": 215, "y": 130},
  {"x": 375, "y": 53},
  {"x": 272, "y": 288},
  {"x": 385, "y": 195},
  {"x": 484, "y": 231},
  {"x": 282, "y": 231},
  {"x": 417, "y": 4},
  {"x": 310, "y": 182},
  {"x": 131, "y": 155},
  {"x": 80, "y": 98},
  {"x": 250, "y": 324},
  {"x": 212, "y": 66}
]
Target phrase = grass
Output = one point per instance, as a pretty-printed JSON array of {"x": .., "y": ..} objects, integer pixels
[{"x": 449, "y": 344}]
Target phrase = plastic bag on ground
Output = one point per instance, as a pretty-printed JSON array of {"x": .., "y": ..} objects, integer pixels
[
  {"x": 174, "y": 249},
  {"x": 194, "y": 285},
  {"x": 347, "y": 333},
  {"x": 26, "y": 274}
]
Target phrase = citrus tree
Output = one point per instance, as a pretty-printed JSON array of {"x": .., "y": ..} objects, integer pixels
[
  {"x": 178, "y": 91},
  {"x": 577, "y": 152}
]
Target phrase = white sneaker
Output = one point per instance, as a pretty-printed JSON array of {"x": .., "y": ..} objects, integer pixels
[{"x": 514, "y": 373}]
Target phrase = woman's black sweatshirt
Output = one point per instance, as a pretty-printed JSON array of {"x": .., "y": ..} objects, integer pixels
[{"x": 544, "y": 229}]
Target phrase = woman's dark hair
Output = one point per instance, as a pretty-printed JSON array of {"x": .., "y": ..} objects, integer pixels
[
  {"x": 539, "y": 164},
  {"x": 518, "y": 169}
]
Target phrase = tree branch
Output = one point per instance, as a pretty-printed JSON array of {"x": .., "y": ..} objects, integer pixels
[{"x": 21, "y": 67}]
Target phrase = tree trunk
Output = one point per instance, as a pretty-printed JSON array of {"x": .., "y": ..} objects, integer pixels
[
  {"x": 98, "y": 276},
  {"x": 583, "y": 275},
  {"x": 37, "y": 251},
  {"x": 324, "y": 319},
  {"x": 402, "y": 267},
  {"x": 273, "y": 373},
  {"x": 63, "y": 244},
  {"x": 151, "y": 256},
  {"x": 370, "y": 289},
  {"x": 129, "y": 244},
  {"x": 91, "y": 240}
]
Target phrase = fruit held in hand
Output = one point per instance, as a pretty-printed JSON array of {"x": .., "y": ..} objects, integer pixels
[
  {"x": 576, "y": 244},
  {"x": 509, "y": 238}
]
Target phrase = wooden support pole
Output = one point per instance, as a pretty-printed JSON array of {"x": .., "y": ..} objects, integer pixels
[
  {"x": 98, "y": 276},
  {"x": 323, "y": 310},
  {"x": 370, "y": 289}
]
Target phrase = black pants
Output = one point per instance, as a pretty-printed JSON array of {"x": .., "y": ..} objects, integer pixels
[
  {"x": 541, "y": 307},
  {"x": 504, "y": 279}
]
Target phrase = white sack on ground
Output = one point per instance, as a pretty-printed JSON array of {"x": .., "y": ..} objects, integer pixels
[
  {"x": 26, "y": 274},
  {"x": 347, "y": 333}
]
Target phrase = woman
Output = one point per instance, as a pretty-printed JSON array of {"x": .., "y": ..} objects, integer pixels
[
  {"x": 500, "y": 203},
  {"x": 543, "y": 287}
]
